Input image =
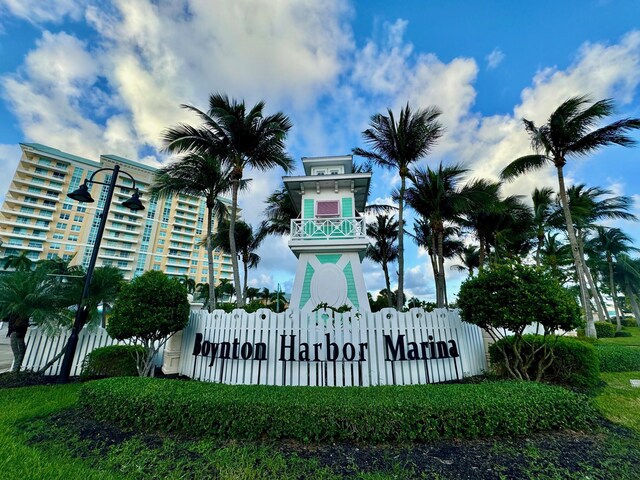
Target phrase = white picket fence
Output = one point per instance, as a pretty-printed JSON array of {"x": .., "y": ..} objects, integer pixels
[
  {"x": 254, "y": 348},
  {"x": 42, "y": 347}
]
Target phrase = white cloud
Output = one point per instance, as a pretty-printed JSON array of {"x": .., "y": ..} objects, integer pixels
[
  {"x": 495, "y": 58},
  {"x": 38, "y": 11}
]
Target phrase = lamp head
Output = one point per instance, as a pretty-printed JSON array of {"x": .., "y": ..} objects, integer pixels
[
  {"x": 134, "y": 202},
  {"x": 81, "y": 194}
]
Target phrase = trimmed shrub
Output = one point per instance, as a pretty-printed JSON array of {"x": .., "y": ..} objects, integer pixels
[
  {"x": 629, "y": 322},
  {"x": 623, "y": 334},
  {"x": 605, "y": 329},
  {"x": 354, "y": 414},
  {"x": 617, "y": 358},
  {"x": 112, "y": 361},
  {"x": 575, "y": 362}
]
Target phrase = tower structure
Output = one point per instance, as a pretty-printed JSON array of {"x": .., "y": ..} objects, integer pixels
[{"x": 329, "y": 235}]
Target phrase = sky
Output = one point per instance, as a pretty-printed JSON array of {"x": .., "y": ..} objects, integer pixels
[{"x": 99, "y": 77}]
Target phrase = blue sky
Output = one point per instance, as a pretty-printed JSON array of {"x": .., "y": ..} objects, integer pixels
[{"x": 106, "y": 77}]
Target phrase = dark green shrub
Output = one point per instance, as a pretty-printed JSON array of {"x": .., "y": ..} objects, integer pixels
[
  {"x": 112, "y": 361},
  {"x": 605, "y": 329},
  {"x": 629, "y": 322},
  {"x": 148, "y": 310},
  {"x": 510, "y": 297},
  {"x": 623, "y": 334},
  {"x": 575, "y": 362},
  {"x": 617, "y": 358},
  {"x": 354, "y": 414}
]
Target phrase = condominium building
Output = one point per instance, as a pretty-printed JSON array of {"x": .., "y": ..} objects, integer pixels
[{"x": 39, "y": 219}]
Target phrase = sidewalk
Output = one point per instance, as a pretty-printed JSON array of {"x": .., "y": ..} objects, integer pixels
[{"x": 6, "y": 355}]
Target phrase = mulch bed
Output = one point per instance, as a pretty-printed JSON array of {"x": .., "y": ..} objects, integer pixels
[{"x": 493, "y": 458}]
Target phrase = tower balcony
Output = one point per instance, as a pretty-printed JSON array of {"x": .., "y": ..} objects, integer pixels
[{"x": 342, "y": 233}]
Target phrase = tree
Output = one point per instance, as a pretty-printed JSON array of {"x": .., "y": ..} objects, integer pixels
[
  {"x": 510, "y": 297},
  {"x": 397, "y": 146},
  {"x": 278, "y": 214},
  {"x": 247, "y": 243},
  {"x": 542, "y": 208},
  {"x": 470, "y": 258},
  {"x": 240, "y": 139},
  {"x": 627, "y": 275},
  {"x": 439, "y": 197},
  {"x": 148, "y": 311},
  {"x": 252, "y": 293},
  {"x": 189, "y": 283},
  {"x": 198, "y": 175},
  {"x": 613, "y": 242},
  {"x": 18, "y": 262},
  {"x": 556, "y": 256},
  {"x": 384, "y": 233},
  {"x": 104, "y": 288},
  {"x": 569, "y": 133},
  {"x": 32, "y": 297}
]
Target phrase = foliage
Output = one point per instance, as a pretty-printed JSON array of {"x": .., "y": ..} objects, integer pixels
[
  {"x": 325, "y": 306},
  {"x": 149, "y": 310},
  {"x": 511, "y": 297},
  {"x": 383, "y": 249},
  {"x": 605, "y": 329},
  {"x": 374, "y": 414},
  {"x": 618, "y": 401},
  {"x": 623, "y": 334},
  {"x": 575, "y": 363},
  {"x": 112, "y": 361},
  {"x": 614, "y": 358}
]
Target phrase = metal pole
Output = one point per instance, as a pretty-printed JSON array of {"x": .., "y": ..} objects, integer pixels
[{"x": 82, "y": 313}]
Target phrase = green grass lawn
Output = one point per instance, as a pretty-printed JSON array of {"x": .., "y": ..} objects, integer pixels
[
  {"x": 619, "y": 401},
  {"x": 634, "y": 340},
  {"x": 40, "y": 438}
]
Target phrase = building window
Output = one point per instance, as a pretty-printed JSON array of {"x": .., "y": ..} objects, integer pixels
[
  {"x": 75, "y": 228},
  {"x": 69, "y": 248},
  {"x": 58, "y": 236},
  {"x": 72, "y": 238},
  {"x": 61, "y": 225},
  {"x": 77, "y": 218},
  {"x": 328, "y": 208},
  {"x": 81, "y": 209},
  {"x": 64, "y": 216},
  {"x": 55, "y": 246}
]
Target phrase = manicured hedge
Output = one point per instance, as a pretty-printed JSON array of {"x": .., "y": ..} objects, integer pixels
[
  {"x": 575, "y": 363},
  {"x": 618, "y": 358},
  {"x": 605, "y": 329},
  {"x": 313, "y": 414},
  {"x": 623, "y": 334},
  {"x": 112, "y": 361}
]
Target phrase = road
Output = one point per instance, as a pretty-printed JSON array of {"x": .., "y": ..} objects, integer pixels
[{"x": 6, "y": 356}]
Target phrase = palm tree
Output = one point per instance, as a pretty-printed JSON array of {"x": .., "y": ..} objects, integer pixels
[
  {"x": 225, "y": 288},
  {"x": 240, "y": 139},
  {"x": 439, "y": 198},
  {"x": 252, "y": 293},
  {"x": 569, "y": 133},
  {"x": 189, "y": 283},
  {"x": 384, "y": 233},
  {"x": 247, "y": 242},
  {"x": 279, "y": 212},
  {"x": 105, "y": 286},
  {"x": 397, "y": 146},
  {"x": 542, "y": 202},
  {"x": 32, "y": 297},
  {"x": 556, "y": 256},
  {"x": 469, "y": 256},
  {"x": 613, "y": 242},
  {"x": 198, "y": 175},
  {"x": 627, "y": 275},
  {"x": 17, "y": 262}
]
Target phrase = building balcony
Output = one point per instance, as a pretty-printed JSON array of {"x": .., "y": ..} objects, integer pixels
[
  {"x": 28, "y": 236},
  {"x": 35, "y": 174},
  {"x": 43, "y": 196},
  {"x": 121, "y": 229},
  {"x": 23, "y": 247},
  {"x": 341, "y": 233},
  {"x": 53, "y": 168},
  {"x": 115, "y": 257},
  {"x": 39, "y": 216},
  {"x": 22, "y": 203},
  {"x": 30, "y": 183},
  {"x": 25, "y": 225}
]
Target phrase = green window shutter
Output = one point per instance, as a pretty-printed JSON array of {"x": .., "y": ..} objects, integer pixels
[{"x": 308, "y": 208}]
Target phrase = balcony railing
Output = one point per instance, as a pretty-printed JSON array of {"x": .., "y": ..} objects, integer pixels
[{"x": 348, "y": 228}]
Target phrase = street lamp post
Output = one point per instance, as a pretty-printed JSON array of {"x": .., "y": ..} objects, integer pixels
[{"x": 82, "y": 195}]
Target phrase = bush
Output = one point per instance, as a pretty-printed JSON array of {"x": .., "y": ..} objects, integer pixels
[
  {"x": 354, "y": 414},
  {"x": 112, "y": 361},
  {"x": 629, "y": 322},
  {"x": 623, "y": 334},
  {"x": 616, "y": 358},
  {"x": 148, "y": 310},
  {"x": 605, "y": 329},
  {"x": 575, "y": 363}
]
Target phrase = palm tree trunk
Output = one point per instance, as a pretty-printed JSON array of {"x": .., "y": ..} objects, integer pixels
[
  {"x": 211, "y": 301},
  {"x": 18, "y": 347},
  {"x": 604, "y": 307},
  {"x": 232, "y": 241},
  {"x": 245, "y": 264},
  {"x": 614, "y": 296},
  {"x": 634, "y": 304},
  {"x": 590, "y": 329},
  {"x": 539, "y": 249},
  {"x": 104, "y": 315},
  {"x": 441, "y": 299},
  {"x": 592, "y": 284},
  {"x": 434, "y": 263},
  {"x": 399, "y": 301},
  {"x": 385, "y": 269},
  {"x": 481, "y": 254}
]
